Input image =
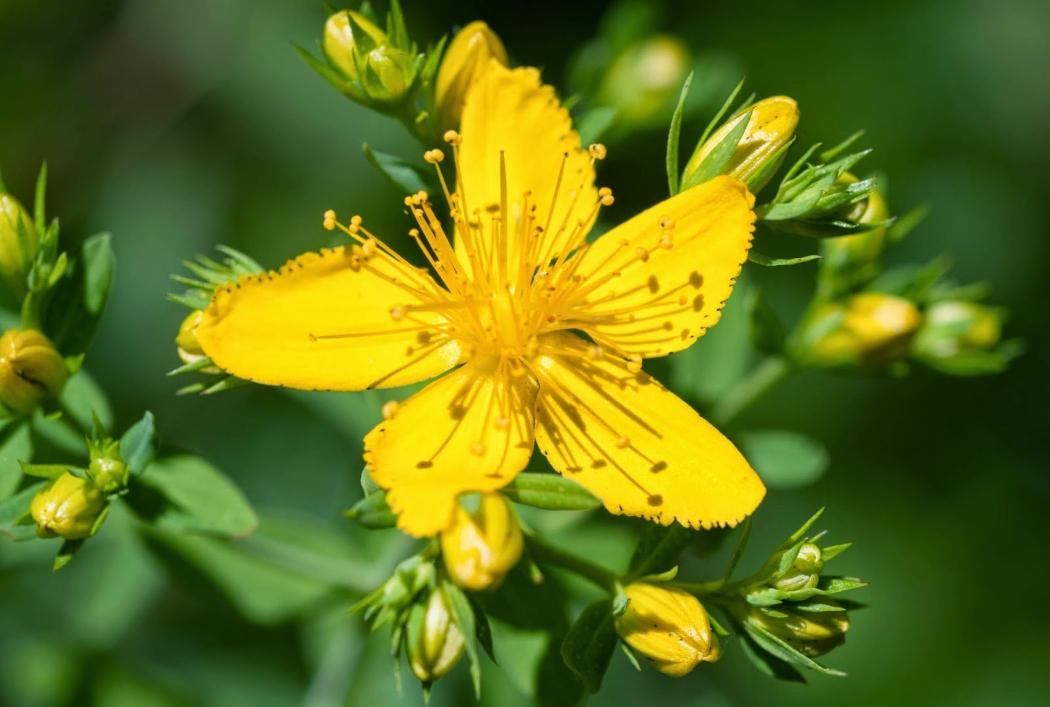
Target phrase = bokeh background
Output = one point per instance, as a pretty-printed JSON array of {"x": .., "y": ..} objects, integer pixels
[{"x": 180, "y": 125}]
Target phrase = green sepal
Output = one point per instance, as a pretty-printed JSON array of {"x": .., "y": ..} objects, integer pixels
[{"x": 549, "y": 491}]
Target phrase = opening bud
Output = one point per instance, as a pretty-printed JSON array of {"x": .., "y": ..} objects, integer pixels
[
  {"x": 669, "y": 627},
  {"x": 466, "y": 59},
  {"x": 31, "y": 370},
  {"x": 69, "y": 508},
  {"x": 870, "y": 328},
  {"x": 760, "y": 149},
  {"x": 18, "y": 244},
  {"x": 481, "y": 547},
  {"x": 438, "y": 645}
]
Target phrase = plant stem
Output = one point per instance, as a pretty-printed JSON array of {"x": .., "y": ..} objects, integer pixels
[
  {"x": 757, "y": 383},
  {"x": 542, "y": 552}
]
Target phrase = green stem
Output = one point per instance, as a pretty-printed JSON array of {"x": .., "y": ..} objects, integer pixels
[
  {"x": 753, "y": 386},
  {"x": 544, "y": 553},
  {"x": 701, "y": 589}
]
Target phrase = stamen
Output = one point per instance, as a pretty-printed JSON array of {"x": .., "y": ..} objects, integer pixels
[
  {"x": 390, "y": 408},
  {"x": 329, "y": 220}
]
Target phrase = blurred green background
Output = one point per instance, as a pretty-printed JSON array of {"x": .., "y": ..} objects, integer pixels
[{"x": 180, "y": 125}]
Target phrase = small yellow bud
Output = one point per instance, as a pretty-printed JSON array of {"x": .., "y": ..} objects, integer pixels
[
  {"x": 186, "y": 340},
  {"x": 480, "y": 548},
  {"x": 388, "y": 73},
  {"x": 759, "y": 151},
  {"x": 18, "y": 244},
  {"x": 812, "y": 633},
  {"x": 955, "y": 326},
  {"x": 440, "y": 643},
  {"x": 30, "y": 369},
  {"x": 870, "y": 328},
  {"x": 106, "y": 467},
  {"x": 853, "y": 253},
  {"x": 68, "y": 508},
  {"x": 339, "y": 39},
  {"x": 669, "y": 627},
  {"x": 465, "y": 61}
]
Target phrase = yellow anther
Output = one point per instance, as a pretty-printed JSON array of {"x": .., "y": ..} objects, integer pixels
[
  {"x": 433, "y": 156},
  {"x": 595, "y": 352},
  {"x": 666, "y": 223},
  {"x": 329, "y": 220},
  {"x": 634, "y": 363},
  {"x": 369, "y": 248},
  {"x": 597, "y": 151},
  {"x": 502, "y": 423},
  {"x": 605, "y": 191},
  {"x": 666, "y": 242},
  {"x": 396, "y": 313},
  {"x": 355, "y": 223},
  {"x": 642, "y": 254},
  {"x": 607, "y": 200},
  {"x": 390, "y": 408},
  {"x": 452, "y": 137},
  {"x": 623, "y": 443},
  {"x": 477, "y": 448}
]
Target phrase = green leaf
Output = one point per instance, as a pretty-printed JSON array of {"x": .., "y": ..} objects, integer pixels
[
  {"x": 195, "y": 496},
  {"x": 373, "y": 512},
  {"x": 767, "y": 663},
  {"x": 45, "y": 471},
  {"x": 405, "y": 176},
  {"x": 659, "y": 548},
  {"x": 761, "y": 259},
  {"x": 16, "y": 445},
  {"x": 588, "y": 646},
  {"x": 65, "y": 554},
  {"x": 137, "y": 445},
  {"x": 16, "y": 508},
  {"x": 784, "y": 460},
  {"x": 463, "y": 614},
  {"x": 83, "y": 400},
  {"x": 593, "y": 124},
  {"x": 550, "y": 491},
  {"x": 673, "y": 136},
  {"x": 77, "y": 301},
  {"x": 779, "y": 648}
]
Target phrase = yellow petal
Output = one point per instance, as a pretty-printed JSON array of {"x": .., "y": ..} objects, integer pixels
[
  {"x": 324, "y": 323},
  {"x": 633, "y": 444},
  {"x": 657, "y": 282},
  {"x": 509, "y": 112},
  {"x": 472, "y": 430}
]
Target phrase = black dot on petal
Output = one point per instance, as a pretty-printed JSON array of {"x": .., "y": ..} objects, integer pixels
[
  {"x": 656, "y": 500},
  {"x": 658, "y": 467}
]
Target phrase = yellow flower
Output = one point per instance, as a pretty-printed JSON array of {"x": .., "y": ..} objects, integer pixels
[
  {"x": 669, "y": 627},
  {"x": 68, "y": 508},
  {"x": 30, "y": 369},
  {"x": 480, "y": 548},
  {"x": 18, "y": 244},
  {"x": 440, "y": 642},
  {"x": 466, "y": 59},
  {"x": 515, "y": 279}
]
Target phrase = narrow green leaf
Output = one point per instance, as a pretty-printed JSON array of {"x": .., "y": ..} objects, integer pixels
[
  {"x": 65, "y": 554},
  {"x": 673, "y": 136},
  {"x": 551, "y": 492},
  {"x": 781, "y": 649},
  {"x": 373, "y": 512},
  {"x": 760, "y": 259},
  {"x": 463, "y": 613},
  {"x": 769, "y": 664},
  {"x": 405, "y": 176},
  {"x": 137, "y": 445}
]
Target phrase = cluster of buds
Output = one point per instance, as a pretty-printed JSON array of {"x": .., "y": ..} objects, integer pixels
[{"x": 667, "y": 626}]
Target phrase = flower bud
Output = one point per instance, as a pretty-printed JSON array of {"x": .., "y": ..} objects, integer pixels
[
  {"x": 440, "y": 642},
  {"x": 18, "y": 244},
  {"x": 667, "y": 626},
  {"x": 480, "y": 548},
  {"x": 812, "y": 633},
  {"x": 68, "y": 508},
  {"x": 388, "y": 73},
  {"x": 871, "y": 328},
  {"x": 30, "y": 369},
  {"x": 340, "y": 32},
  {"x": 852, "y": 260},
  {"x": 466, "y": 59},
  {"x": 796, "y": 579},
  {"x": 770, "y": 128},
  {"x": 190, "y": 349},
  {"x": 643, "y": 82},
  {"x": 106, "y": 468},
  {"x": 809, "y": 558},
  {"x": 955, "y": 327}
]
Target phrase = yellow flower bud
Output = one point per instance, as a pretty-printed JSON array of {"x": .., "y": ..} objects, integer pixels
[
  {"x": 18, "y": 244},
  {"x": 770, "y": 128},
  {"x": 480, "y": 548},
  {"x": 855, "y": 252},
  {"x": 186, "y": 340},
  {"x": 388, "y": 73},
  {"x": 870, "y": 328},
  {"x": 440, "y": 643},
  {"x": 954, "y": 326},
  {"x": 643, "y": 82},
  {"x": 339, "y": 39},
  {"x": 68, "y": 508},
  {"x": 466, "y": 59},
  {"x": 106, "y": 467},
  {"x": 669, "y": 627},
  {"x": 30, "y": 369},
  {"x": 813, "y": 633}
]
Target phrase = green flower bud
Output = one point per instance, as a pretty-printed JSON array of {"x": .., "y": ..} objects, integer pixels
[
  {"x": 849, "y": 261},
  {"x": 870, "y": 328},
  {"x": 440, "y": 642},
  {"x": 107, "y": 469},
  {"x": 466, "y": 59},
  {"x": 809, "y": 558},
  {"x": 644, "y": 80},
  {"x": 346, "y": 31},
  {"x": 30, "y": 369},
  {"x": 761, "y": 147},
  {"x": 795, "y": 580},
  {"x": 669, "y": 627},
  {"x": 68, "y": 508},
  {"x": 361, "y": 52},
  {"x": 18, "y": 244},
  {"x": 955, "y": 327},
  {"x": 812, "y": 633},
  {"x": 388, "y": 73}
]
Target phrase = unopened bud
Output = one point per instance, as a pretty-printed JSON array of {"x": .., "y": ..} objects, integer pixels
[
  {"x": 954, "y": 327},
  {"x": 68, "y": 508},
  {"x": 440, "y": 642},
  {"x": 810, "y": 558},
  {"x": 346, "y": 31},
  {"x": 644, "y": 80},
  {"x": 480, "y": 548},
  {"x": 760, "y": 149},
  {"x": 811, "y": 632},
  {"x": 18, "y": 244},
  {"x": 106, "y": 467},
  {"x": 871, "y": 328},
  {"x": 852, "y": 260},
  {"x": 669, "y": 627},
  {"x": 31, "y": 370},
  {"x": 467, "y": 58}
]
